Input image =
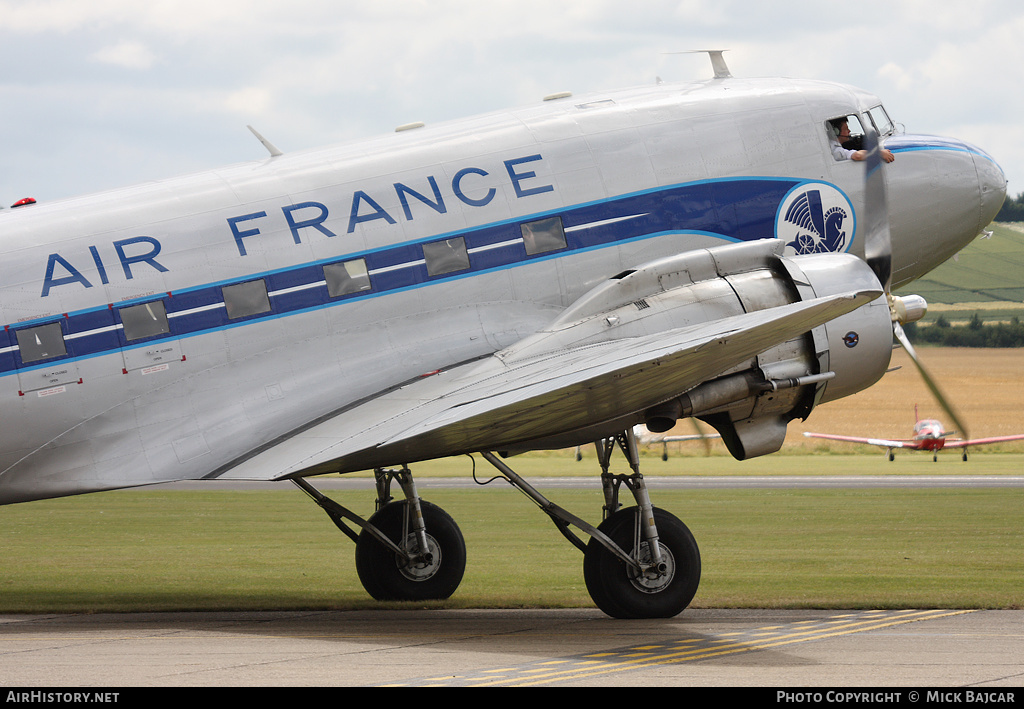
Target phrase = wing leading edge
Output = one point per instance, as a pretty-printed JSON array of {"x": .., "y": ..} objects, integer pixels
[
  {"x": 513, "y": 397},
  {"x": 880, "y": 442},
  {"x": 916, "y": 444},
  {"x": 982, "y": 441}
]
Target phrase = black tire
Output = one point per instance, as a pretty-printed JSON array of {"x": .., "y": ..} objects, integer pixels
[
  {"x": 386, "y": 578},
  {"x": 614, "y": 587}
]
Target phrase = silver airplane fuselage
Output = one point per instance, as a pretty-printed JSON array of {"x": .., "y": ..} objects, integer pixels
[{"x": 175, "y": 329}]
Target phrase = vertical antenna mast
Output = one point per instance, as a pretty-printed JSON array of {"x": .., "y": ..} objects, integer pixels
[{"x": 717, "y": 61}]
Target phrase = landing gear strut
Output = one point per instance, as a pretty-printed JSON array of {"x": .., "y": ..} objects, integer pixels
[
  {"x": 661, "y": 589},
  {"x": 661, "y": 544},
  {"x": 640, "y": 562},
  {"x": 407, "y": 551}
]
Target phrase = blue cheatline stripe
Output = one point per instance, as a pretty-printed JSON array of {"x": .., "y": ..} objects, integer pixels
[
  {"x": 917, "y": 143},
  {"x": 735, "y": 209}
]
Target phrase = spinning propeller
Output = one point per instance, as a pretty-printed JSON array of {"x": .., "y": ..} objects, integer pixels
[{"x": 878, "y": 254}]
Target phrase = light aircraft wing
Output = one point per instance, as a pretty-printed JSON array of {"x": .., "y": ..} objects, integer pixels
[
  {"x": 675, "y": 439},
  {"x": 880, "y": 442},
  {"x": 982, "y": 441},
  {"x": 522, "y": 394}
]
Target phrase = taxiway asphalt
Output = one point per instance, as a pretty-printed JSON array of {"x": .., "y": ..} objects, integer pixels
[{"x": 908, "y": 649}]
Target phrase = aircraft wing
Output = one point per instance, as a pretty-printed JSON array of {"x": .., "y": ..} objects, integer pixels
[
  {"x": 981, "y": 441},
  {"x": 526, "y": 393},
  {"x": 880, "y": 442}
]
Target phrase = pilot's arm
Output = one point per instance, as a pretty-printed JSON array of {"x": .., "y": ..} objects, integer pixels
[
  {"x": 841, "y": 153},
  {"x": 859, "y": 155}
]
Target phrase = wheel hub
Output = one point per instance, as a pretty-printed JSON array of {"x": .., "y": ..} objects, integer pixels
[
  {"x": 654, "y": 579},
  {"x": 422, "y": 566}
]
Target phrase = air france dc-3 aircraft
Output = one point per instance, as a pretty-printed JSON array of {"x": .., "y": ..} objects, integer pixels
[
  {"x": 529, "y": 279},
  {"x": 929, "y": 435}
]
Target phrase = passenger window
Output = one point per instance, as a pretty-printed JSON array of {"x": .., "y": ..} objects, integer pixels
[
  {"x": 244, "y": 299},
  {"x": 347, "y": 277},
  {"x": 446, "y": 256},
  {"x": 543, "y": 235},
  {"x": 146, "y": 320},
  {"x": 39, "y": 343}
]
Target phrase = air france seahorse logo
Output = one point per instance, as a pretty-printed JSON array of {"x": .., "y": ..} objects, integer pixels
[{"x": 815, "y": 220}]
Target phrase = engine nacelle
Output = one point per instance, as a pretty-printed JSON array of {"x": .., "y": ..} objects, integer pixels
[
  {"x": 837, "y": 359},
  {"x": 750, "y": 403},
  {"x": 858, "y": 345}
]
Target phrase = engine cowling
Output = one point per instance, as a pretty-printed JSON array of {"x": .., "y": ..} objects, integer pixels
[{"x": 751, "y": 403}]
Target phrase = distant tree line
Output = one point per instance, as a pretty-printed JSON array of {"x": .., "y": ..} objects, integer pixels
[
  {"x": 1013, "y": 209},
  {"x": 976, "y": 334}
]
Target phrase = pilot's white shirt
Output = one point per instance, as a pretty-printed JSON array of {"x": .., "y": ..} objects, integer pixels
[{"x": 838, "y": 151}]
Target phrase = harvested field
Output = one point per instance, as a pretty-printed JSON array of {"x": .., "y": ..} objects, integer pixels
[{"x": 985, "y": 386}]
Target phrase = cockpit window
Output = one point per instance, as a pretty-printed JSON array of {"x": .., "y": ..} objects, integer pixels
[
  {"x": 845, "y": 134},
  {"x": 881, "y": 121}
]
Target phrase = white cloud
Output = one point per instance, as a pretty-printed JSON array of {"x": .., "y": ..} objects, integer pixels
[
  {"x": 126, "y": 54},
  {"x": 308, "y": 72},
  {"x": 248, "y": 102}
]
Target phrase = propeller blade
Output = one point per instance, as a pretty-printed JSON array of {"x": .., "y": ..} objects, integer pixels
[
  {"x": 878, "y": 255},
  {"x": 704, "y": 438},
  {"x": 932, "y": 385},
  {"x": 878, "y": 242}
]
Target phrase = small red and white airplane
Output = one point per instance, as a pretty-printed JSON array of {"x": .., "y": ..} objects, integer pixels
[{"x": 929, "y": 435}]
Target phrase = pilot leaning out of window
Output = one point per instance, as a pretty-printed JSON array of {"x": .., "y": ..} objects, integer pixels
[{"x": 839, "y": 139}]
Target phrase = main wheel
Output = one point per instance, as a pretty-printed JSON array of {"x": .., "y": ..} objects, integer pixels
[
  {"x": 621, "y": 592},
  {"x": 388, "y": 577}
]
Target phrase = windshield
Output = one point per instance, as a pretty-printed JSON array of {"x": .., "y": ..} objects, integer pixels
[{"x": 881, "y": 121}]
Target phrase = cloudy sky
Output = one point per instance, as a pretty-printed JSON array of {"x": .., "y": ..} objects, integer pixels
[{"x": 105, "y": 93}]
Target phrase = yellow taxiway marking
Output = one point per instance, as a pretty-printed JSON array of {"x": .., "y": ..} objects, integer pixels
[{"x": 691, "y": 649}]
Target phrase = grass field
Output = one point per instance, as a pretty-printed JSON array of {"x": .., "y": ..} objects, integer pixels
[
  {"x": 164, "y": 551},
  {"x": 986, "y": 277},
  {"x": 150, "y": 550}
]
